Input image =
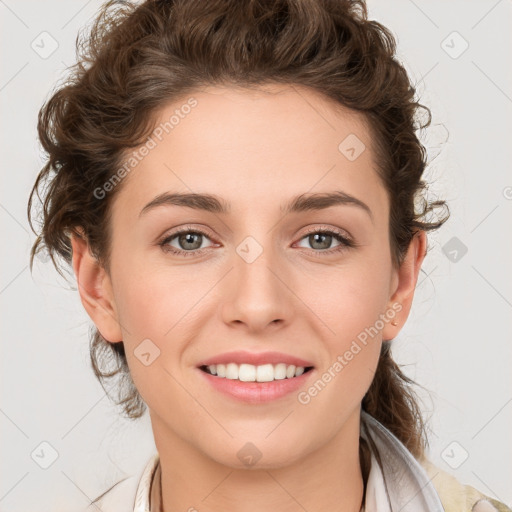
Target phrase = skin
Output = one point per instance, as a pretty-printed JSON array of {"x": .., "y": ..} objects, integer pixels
[{"x": 256, "y": 150}]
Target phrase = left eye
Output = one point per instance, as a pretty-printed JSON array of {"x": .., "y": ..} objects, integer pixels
[{"x": 323, "y": 240}]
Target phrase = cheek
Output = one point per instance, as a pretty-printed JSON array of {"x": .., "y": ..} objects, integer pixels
[
  {"x": 153, "y": 300},
  {"x": 158, "y": 309},
  {"x": 352, "y": 303},
  {"x": 153, "y": 315},
  {"x": 353, "y": 307},
  {"x": 350, "y": 298}
]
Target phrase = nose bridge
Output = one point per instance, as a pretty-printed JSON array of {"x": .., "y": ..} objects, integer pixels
[
  {"x": 256, "y": 265},
  {"x": 258, "y": 296}
]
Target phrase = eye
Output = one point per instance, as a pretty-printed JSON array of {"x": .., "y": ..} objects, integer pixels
[
  {"x": 188, "y": 241},
  {"x": 185, "y": 241},
  {"x": 321, "y": 239}
]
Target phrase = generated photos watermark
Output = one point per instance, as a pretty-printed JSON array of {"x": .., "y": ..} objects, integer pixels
[
  {"x": 150, "y": 144},
  {"x": 304, "y": 397}
]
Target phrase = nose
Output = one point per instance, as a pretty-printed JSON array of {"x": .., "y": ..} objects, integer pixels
[{"x": 257, "y": 293}]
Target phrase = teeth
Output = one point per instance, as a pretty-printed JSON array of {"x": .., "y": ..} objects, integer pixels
[
  {"x": 250, "y": 373},
  {"x": 290, "y": 372}
]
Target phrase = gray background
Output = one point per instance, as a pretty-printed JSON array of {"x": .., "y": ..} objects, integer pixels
[{"x": 456, "y": 342}]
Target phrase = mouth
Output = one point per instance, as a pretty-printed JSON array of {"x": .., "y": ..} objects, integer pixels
[{"x": 252, "y": 373}]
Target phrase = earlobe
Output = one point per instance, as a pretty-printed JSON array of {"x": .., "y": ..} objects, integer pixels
[
  {"x": 404, "y": 285},
  {"x": 95, "y": 290}
]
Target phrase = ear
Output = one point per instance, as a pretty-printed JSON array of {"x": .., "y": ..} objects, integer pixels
[
  {"x": 95, "y": 290},
  {"x": 404, "y": 285}
]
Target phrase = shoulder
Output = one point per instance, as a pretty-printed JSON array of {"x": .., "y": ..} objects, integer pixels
[
  {"x": 458, "y": 497},
  {"x": 129, "y": 494},
  {"x": 119, "y": 497}
]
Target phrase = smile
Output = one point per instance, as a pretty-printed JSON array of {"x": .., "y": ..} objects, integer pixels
[{"x": 251, "y": 373}]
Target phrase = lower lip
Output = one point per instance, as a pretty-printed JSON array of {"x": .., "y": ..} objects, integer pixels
[{"x": 256, "y": 392}]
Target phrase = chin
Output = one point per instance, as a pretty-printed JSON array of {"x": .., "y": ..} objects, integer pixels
[{"x": 261, "y": 453}]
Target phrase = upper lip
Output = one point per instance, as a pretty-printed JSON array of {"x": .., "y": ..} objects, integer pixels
[{"x": 255, "y": 358}]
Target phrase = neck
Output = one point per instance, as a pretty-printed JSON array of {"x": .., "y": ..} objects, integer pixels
[{"x": 327, "y": 478}]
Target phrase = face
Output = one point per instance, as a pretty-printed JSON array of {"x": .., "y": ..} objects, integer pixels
[{"x": 252, "y": 273}]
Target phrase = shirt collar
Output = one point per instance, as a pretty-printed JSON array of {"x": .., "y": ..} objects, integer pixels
[{"x": 396, "y": 481}]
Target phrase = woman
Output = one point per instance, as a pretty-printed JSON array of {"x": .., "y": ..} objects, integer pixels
[{"x": 236, "y": 184}]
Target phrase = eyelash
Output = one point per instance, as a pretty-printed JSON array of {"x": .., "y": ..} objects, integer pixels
[{"x": 345, "y": 242}]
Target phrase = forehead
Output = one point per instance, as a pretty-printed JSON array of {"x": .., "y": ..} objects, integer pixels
[{"x": 257, "y": 146}]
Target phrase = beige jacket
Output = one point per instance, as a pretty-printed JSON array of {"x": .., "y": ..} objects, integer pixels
[
  {"x": 456, "y": 496},
  {"x": 399, "y": 484}
]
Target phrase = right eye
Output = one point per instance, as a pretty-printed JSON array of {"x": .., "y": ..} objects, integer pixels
[{"x": 189, "y": 241}]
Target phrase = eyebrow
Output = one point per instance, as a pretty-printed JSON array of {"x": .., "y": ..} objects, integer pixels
[{"x": 300, "y": 203}]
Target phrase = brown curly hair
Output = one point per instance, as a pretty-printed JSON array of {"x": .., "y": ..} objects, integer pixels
[{"x": 137, "y": 58}]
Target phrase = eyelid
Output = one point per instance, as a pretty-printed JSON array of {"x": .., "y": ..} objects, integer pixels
[
  {"x": 186, "y": 229},
  {"x": 339, "y": 231}
]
